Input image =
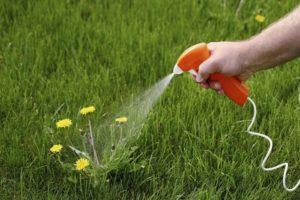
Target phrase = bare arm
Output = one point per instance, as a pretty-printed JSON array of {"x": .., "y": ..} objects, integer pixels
[{"x": 277, "y": 44}]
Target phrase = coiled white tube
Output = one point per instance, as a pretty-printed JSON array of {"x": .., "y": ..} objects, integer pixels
[{"x": 284, "y": 165}]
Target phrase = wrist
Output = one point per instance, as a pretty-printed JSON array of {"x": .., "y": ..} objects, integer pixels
[{"x": 248, "y": 57}]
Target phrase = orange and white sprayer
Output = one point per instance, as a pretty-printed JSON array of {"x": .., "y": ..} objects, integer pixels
[
  {"x": 235, "y": 90},
  {"x": 190, "y": 60}
]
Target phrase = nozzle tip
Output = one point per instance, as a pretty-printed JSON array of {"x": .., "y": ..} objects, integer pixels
[{"x": 177, "y": 70}]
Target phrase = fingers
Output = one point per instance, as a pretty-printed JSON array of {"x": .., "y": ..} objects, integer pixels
[
  {"x": 204, "y": 85},
  {"x": 215, "y": 85},
  {"x": 206, "y": 68},
  {"x": 210, "y": 65}
]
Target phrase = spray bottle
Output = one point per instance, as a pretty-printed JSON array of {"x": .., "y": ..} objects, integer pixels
[
  {"x": 190, "y": 60},
  {"x": 235, "y": 90}
]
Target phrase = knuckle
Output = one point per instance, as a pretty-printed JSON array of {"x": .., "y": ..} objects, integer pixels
[
  {"x": 216, "y": 62},
  {"x": 212, "y": 45}
]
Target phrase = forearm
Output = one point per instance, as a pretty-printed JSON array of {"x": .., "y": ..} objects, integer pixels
[{"x": 277, "y": 44}]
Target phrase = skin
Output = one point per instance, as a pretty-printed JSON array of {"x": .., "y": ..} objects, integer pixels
[{"x": 277, "y": 44}]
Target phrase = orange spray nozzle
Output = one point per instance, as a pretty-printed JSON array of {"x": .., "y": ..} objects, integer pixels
[{"x": 190, "y": 60}]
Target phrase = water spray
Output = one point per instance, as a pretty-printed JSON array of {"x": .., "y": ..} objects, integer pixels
[
  {"x": 138, "y": 110},
  {"x": 235, "y": 90}
]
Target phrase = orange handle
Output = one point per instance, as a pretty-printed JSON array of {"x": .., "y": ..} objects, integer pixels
[{"x": 233, "y": 88}]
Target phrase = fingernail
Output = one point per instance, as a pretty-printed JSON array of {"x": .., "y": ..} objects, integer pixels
[
  {"x": 205, "y": 85},
  {"x": 220, "y": 92},
  {"x": 199, "y": 78}
]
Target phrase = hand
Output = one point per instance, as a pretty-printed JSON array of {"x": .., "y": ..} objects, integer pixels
[{"x": 228, "y": 58}]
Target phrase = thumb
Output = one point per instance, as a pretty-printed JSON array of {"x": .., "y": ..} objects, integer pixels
[{"x": 206, "y": 68}]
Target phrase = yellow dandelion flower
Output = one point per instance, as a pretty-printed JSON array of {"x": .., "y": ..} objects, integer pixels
[
  {"x": 260, "y": 18},
  {"x": 121, "y": 120},
  {"x": 63, "y": 123},
  {"x": 87, "y": 110},
  {"x": 56, "y": 148},
  {"x": 81, "y": 164}
]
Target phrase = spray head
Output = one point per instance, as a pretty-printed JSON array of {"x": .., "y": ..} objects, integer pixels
[
  {"x": 177, "y": 70},
  {"x": 190, "y": 60}
]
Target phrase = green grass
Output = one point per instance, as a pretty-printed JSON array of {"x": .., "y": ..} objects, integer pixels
[{"x": 99, "y": 52}]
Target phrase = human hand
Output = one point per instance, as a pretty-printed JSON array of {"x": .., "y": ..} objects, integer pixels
[{"x": 228, "y": 58}]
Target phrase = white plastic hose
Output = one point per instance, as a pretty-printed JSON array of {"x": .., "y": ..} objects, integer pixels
[{"x": 283, "y": 165}]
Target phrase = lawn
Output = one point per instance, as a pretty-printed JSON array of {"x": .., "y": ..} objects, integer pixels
[{"x": 57, "y": 56}]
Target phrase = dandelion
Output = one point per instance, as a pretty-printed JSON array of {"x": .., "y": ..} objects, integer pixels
[
  {"x": 56, "y": 148},
  {"x": 63, "y": 123},
  {"x": 81, "y": 164},
  {"x": 121, "y": 120},
  {"x": 260, "y": 18},
  {"x": 87, "y": 110}
]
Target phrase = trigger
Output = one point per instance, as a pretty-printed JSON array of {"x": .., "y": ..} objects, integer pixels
[{"x": 195, "y": 74}]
